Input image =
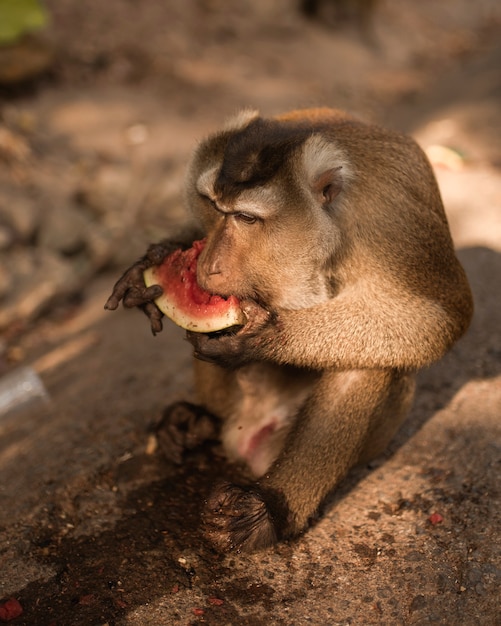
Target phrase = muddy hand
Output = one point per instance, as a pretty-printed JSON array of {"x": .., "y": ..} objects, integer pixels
[
  {"x": 235, "y": 349},
  {"x": 132, "y": 291}
]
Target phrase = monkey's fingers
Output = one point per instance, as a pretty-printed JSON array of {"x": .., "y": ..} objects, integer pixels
[
  {"x": 200, "y": 343},
  {"x": 237, "y": 518},
  {"x": 254, "y": 310},
  {"x": 170, "y": 432},
  {"x": 257, "y": 317},
  {"x": 140, "y": 295},
  {"x": 224, "y": 350},
  {"x": 131, "y": 288},
  {"x": 154, "y": 314},
  {"x": 113, "y": 301},
  {"x": 131, "y": 279},
  {"x": 184, "y": 426},
  {"x": 158, "y": 252}
]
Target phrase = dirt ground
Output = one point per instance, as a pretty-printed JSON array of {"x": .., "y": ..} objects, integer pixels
[{"x": 95, "y": 527}]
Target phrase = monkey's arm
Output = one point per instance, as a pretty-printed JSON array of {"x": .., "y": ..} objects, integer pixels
[
  {"x": 131, "y": 289},
  {"x": 370, "y": 326},
  {"x": 357, "y": 331},
  {"x": 365, "y": 326}
]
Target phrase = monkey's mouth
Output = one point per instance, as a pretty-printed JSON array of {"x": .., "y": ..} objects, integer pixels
[{"x": 224, "y": 332}]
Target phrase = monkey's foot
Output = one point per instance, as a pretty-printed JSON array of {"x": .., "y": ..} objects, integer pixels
[
  {"x": 238, "y": 518},
  {"x": 184, "y": 426}
]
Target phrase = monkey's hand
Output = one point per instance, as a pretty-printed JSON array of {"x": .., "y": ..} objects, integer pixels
[
  {"x": 240, "y": 518},
  {"x": 130, "y": 288},
  {"x": 235, "y": 349}
]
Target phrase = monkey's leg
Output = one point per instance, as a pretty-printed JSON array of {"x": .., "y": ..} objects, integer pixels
[
  {"x": 331, "y": 433},
  {"x": 386, "y": 423},
  {"x": 185, "y": 426}
]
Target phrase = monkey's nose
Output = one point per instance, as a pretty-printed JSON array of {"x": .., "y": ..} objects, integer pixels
[
  {"x": 209, "y": 277},
  {"x": 213, "y": 268}
]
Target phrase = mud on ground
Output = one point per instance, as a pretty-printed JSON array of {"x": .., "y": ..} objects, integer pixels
[{"x": 95, "y": 527}]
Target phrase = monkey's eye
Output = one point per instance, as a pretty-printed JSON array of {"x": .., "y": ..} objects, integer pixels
[{"x": 246, "y": 218}]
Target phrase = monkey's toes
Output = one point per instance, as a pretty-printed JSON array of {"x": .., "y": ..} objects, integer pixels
[
  {"x": 184, "y": 426},
  {"x": 237, "y": 518}
]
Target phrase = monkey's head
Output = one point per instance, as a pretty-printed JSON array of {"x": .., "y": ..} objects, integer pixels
[{"x": 260, "y": 189}]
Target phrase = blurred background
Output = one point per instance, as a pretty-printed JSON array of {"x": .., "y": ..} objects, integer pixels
[{"x": 101, "y": 104}]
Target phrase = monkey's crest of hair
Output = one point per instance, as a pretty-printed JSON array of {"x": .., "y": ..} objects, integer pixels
[
  {"x": 257, "y": 148},
  {"x": 254, "y": 154}
]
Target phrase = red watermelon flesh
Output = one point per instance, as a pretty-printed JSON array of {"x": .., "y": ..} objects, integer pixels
[{"x": 184, "y": 301}]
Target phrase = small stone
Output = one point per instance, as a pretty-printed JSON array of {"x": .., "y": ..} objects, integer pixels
[
  {"x": 480, "y": 589},
  {"x": 136, "y": 134},
  {"x": 418, "y": 603},
  {"x": 435, "y": 518}
]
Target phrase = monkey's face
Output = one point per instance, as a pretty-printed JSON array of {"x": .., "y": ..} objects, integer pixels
[
  {"x": 268, "y": 214},
  {"x": 261, "y": 244}
]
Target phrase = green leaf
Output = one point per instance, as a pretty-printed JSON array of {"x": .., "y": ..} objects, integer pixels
[{"x": 18, "y": 17}]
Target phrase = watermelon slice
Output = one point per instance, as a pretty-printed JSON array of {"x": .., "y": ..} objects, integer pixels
[{"x": 184, "y": 301}]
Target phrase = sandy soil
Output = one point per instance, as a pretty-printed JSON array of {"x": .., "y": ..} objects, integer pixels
[{"x": 95, "y": 527}]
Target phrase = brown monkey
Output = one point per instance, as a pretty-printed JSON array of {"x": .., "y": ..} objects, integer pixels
[{"x": 333, "y": 235}]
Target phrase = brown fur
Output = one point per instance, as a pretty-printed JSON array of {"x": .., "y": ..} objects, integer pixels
[{"x": 333, "y": 235}]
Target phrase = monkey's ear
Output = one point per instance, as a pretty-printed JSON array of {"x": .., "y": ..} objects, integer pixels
[
  {"x": 327, "y": 185},
  {"x": 242, "y": 119},
  {"x": 327, "y": 168}
]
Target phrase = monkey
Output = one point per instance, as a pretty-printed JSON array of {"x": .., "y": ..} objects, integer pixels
[{"x": 332, "y": 234}]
